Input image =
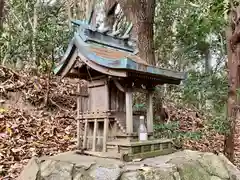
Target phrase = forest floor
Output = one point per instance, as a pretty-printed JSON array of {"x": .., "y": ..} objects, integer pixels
[{"x": 37, "y": 118}]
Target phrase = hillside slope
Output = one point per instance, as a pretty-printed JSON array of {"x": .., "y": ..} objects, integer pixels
[{"x": 37, "y": 118}]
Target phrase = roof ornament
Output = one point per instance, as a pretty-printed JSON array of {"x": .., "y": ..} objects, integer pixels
[
  {"x": 114, "y": 25},
  {"x": 101, "y": 29}
]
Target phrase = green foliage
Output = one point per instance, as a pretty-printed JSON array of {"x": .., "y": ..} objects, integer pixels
[
  {"x": 186, "y": 30},
  {"x": 219, "y": 123},
  {"x": 201, "y": 87},
  {"x": 172, "y": 130},
  {"x": 139, "y": 107},
  {"x": 17, "y": 40},
  {"x": 208, "y": 93}
]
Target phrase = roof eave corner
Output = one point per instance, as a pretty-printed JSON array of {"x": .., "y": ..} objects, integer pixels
[{"x": 57, "y": 69}]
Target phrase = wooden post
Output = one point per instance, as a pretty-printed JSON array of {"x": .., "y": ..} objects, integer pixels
[
  {"x": 79, "y": 128},
  {"x": 105, "y": 134},
  {"x": 129, "y": 112},
  {"x": 85, "y": 134},
  {"x": 150, "y": 111},
  {"x": 95, "y": 135}
]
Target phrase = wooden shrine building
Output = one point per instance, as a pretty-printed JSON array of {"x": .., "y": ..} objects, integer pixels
[{"x": 113, "y": 72}]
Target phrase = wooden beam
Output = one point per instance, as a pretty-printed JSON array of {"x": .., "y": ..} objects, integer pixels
[
  {"x": 107, "y": 89},
  {"x": 150, "y": 111},
  {"x": 118, "y": 85},
  {"x": 85, "y": 134},
  {"x": 97, "y": 83},
  {"x": 105, "y": 134},
  {"x": 95, "y": 135},
  {"x": 97, "y": 77},
  {"x": 79, "y": 128},
  {"x": 129, "y": 112},
  {"x": 70, "y": 64}
]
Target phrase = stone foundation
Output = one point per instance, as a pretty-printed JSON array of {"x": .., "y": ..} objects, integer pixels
[{"x": 184, "y": 165}]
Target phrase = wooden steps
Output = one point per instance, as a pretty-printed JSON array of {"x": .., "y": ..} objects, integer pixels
[{"x": 121, "y": 126}]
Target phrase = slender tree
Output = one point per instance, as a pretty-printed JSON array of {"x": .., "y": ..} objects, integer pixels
[
  {"x": 233, "y": 48},
  {"x": 2, "y": 3}
]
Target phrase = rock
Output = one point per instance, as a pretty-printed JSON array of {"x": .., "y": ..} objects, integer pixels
[
  {"x": 234, "y": 172},
  {"x": 185, "y": 165},
  {"x": 215, "y": 178},
  {"x": 135, "y": 175},
  {"x": 176, "y": 176},
  {"x": 31, "y": 170},
  {"x": 79, "y": 173},
  {"x": 189, "y": 154},
  {"x": 158, "y": 174},
  {"x": 190, "y": 169},
  {"x": 214, "y": 165},
  {"x": 107, "y": 172},
  {"x": 81, "y": 176},
  {"x": 51, "y": 170}
]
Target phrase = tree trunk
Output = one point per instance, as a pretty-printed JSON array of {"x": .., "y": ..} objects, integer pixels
[
  {"x": 142, "y": 16},
  {"x": 145, "y": 33},
  {"x": 233, "y": 47},
  {"x": 2, "y": 3},
  {"x": 80, "y": 8},
  {"x": 89, "y": 6},
  {"x": 69, "y": 14},
  {"x": 141, "y": 13},
  {"x": 207, "y": 57},
  {"x": 229, "y": 144},
  {"x": 145, "y": 42},
  {"x": 34, "y": 29}
]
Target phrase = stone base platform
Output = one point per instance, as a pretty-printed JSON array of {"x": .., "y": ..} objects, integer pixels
[
  {"x": 187, "y": 165},
  {"x": 126, "y": 150}
]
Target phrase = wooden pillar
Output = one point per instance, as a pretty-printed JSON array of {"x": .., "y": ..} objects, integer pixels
[
  {"x": 85, "y": 134},
  {"x": 78, "y": 134},
  {"x": 105, "y": 134},
  {"x": 129, "y": 112},
  {"x": 150, "y": 111},
  {"x": 95, "y": 135},
  {"x": 79, "y": 128}
]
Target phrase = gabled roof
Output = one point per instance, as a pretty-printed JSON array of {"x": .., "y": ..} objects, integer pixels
[{"x": 110, "y": 55}]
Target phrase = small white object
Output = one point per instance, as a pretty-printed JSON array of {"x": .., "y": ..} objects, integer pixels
[
  {"x": 142, "y": 131},
  {"x": 143, "y": 136}
]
